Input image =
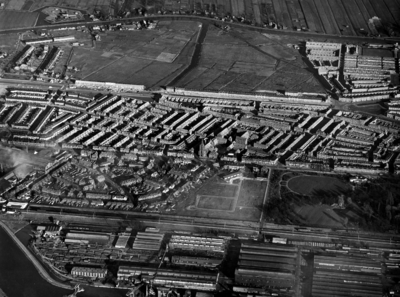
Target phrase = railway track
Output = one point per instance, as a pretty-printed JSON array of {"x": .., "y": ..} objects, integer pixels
[{"x": 385, "y": 242}]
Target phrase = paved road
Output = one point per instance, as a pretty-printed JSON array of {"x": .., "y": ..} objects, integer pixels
[
  {"x": 301, "y": 34},
  {"x": 265, "y": 198}
]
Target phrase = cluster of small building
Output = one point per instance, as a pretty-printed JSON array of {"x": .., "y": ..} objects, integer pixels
[
  {"x": 394, "y": 110},
  {"x": 57, "y": 15},
  {"x": 358, "y": 74},
  {"x": 100, "y": 140},
  {"x": 38, "y": 58}
]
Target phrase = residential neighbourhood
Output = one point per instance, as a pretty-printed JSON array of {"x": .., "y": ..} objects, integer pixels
[{"x": 213, "y": 148}]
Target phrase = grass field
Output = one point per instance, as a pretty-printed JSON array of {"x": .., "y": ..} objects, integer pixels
[
  {"x": 116, "y": 71},
  {"x": 244, "y": 83},
  {"x": 246, "y": 54},
  {"x": 251, "y": 193},
  {"x": 10, "y": 19},
  {"x": 204, "y": 79},
  {"x": 15, "y": 4},
  {"x": 217, "y": 199},
  {"x": 215, "y": 203},
  {"x": 219, "y": 189},
  {"x": 163, "y": 44},
  {"x": 327, "y": 201},
  {"x": 14, "y": 224},
  {"x": 223, "y": 80},
  {"x": 147, "y": 57},
  {"x": 319, "y": 215},
  {"x": 8, "y": 42},
  {"x": 253, "y": 62},
  {"x": 306, "y": 185},
  {"x": 89, "y": 61}
]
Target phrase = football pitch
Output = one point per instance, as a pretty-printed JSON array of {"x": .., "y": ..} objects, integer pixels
[{"x": 234, "y": 201}]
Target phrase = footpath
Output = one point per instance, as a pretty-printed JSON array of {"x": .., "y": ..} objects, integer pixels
[{"x": 34, "y": 261}]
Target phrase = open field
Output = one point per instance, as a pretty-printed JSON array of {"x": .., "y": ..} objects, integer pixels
[
  {"x": 217, "y": 199},
  {"x": 320, "y": 215},
  {"x": 348, "y": 17},
  {"x": 219, "y": 189},
  {"x": 215, "y": 203},
  {"x": 162, "y": 44},
  {"x": 87, "y": 5},
  {"x": 324, "y": 16},
  {"x": 148, "y": 57},
  {"x": 8, "y": 42},
  {"x": 296, "y": 80},
  {"x": 248, "y": 69},
  {"x": 192, "y": 75},
  {"x": 204, "y": 79},
  {"x": 115, "y": 71},
  {"x": 123, "y": 73},
  {"x": 251, "y": 193},
  {"x": 222, "y": 81},
  {"x": 253, "y": 62},
  {"x": 16, "y": 19},
  {"x": 89, "y": 61},
  {"x": 15, "y": 4},
  {"x": 14, "y": 224},
  {"x": 312, "y": 199},
  {"x": 235, "y": 53},
  {"x": 306, "y": 185},
  {"x": 244, "y": 83}
]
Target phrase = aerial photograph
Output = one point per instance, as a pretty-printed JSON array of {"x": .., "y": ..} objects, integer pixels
[{"x": 199, "y": 148}]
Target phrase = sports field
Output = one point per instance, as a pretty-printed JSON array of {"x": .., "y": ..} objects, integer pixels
[
  {"x": 219, "y": 189},
  {"x": 307, "y": 184},
  {"x": 215, "y": 203},
  {"x": 252, "y": 192},
  {"x": 10, "y": 19},
  {"x": 219, "y": 199}
]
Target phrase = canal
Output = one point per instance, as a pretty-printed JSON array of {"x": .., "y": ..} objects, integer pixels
[{"x": 19, "y": 277}]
